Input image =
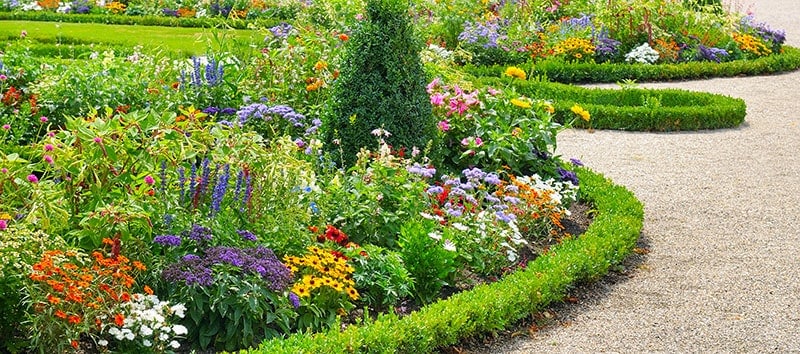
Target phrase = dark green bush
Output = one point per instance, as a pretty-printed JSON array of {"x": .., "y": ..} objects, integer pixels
[
  {"x": 382, "y": 85},
  {"x": 609, "y": 239}
]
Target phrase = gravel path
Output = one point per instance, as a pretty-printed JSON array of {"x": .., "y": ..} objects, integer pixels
[{"x": 722, "y": 223}]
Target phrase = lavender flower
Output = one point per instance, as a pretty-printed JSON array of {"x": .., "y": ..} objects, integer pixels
[
  {"x": 711, "y": 53},
  {"x": 247, "y": 235},
  {"x": 492, "y": 178},
  {"x": 473, "y": 174},
  {"x": 576, "y": 162},
  {"x": 576, "y": 24},
  {"x": 420, "y": 170},
  {"x": 294, "y": 300},
  {"x": 761, "y": 29},
  {"x": 282, "y": 30},
  {"x": 181, "y": 183},
  {"x": 168, "y": 240},
  {"x": 487, "y": 34},
  {"x": 568, "y": 176},
  {"x": 435, "y": 190},
  {"x": 248, "y": 192},
  {"x": 220, "y": 189},
  {"x": 204, "y": 178},
  {"x": 193, "y": 181},
  {"x": 199, "y": 233},
  {"x": 506, "y": 218},
  {"x": 238, "y": 189},
  {"x": 163, "y": 176}
]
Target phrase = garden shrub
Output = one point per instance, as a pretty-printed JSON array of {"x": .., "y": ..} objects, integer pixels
[{"x": 382, "y": 86}]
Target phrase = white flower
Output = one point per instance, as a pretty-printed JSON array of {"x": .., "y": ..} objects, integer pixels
[
  {"x": 434, "y": 235},
  {"x": 103, "y": 342},
  {"x": 179, "y": 330},
  {"x": 129, "y": 336},
  {"x": 642, "y": 54},
  {"x": 381, "y": 132},
  {"x": 113, "y": 331},
  {"x": 146, "y": 331},
  {"x": 174, "y": 344},
  {"x": 460, "y": 227},
  {"x": 147, "y": 343},
  {"x": 166, "y": 329},
  {"x": 163, "y": 336},
  {"x": 449, "y": 246}
]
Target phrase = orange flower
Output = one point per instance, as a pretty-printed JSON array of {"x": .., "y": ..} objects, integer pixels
[
  {"x": 119, "y": 319},
  {"x": 148, "y": 290},
  {"x": 344, "y": 37},
  {"x": 139, "y": 265},
  {"x": 74, "y": 344},
  {"x": 53, "y": 299},
  {"x": 108, "y": 241},
  {"x": 60, "y": 314},
  {"x": 74, "y": 319}
]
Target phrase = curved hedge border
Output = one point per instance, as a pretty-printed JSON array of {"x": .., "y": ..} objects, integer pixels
[
  {"x": 634, "y": 109},
  {"x": 148, "y": 20},
  {"x": 562, "y": 72},
  {"x": 608, "y": 240}
]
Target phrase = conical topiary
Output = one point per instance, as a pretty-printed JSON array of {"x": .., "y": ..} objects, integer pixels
[{"x": 382, "y": 85}]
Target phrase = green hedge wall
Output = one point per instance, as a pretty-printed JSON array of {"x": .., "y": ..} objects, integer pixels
[
  {"x": 558, "y": 71},
  {"x": 633, "y": 109},
  {"x": 609, "y": 239}
]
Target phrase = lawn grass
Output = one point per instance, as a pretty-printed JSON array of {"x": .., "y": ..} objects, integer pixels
[{"x": 178, "y": 40}]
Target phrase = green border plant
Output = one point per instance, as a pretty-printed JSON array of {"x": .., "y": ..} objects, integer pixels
[{"x": 608, "y": 240}]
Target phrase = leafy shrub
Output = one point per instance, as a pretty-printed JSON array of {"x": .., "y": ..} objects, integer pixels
[
  {"x": 382, "y": 85},
  {"x": 381, "y": 277},
  {"x": 429, "y": 264}
]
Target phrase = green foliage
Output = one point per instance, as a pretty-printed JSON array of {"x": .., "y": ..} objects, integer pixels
[
  {"x": 381, "y": 277},
  {"x": 428, "y": 263},
  {"x": 148, "y": 20},
  {"x": 382, "y": 85},
  {"x": 609, "y": 239}
]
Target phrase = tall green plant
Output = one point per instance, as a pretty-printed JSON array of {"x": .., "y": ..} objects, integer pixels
[{"x": 382, "y": 85}]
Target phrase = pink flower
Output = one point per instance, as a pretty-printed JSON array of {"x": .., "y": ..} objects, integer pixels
[
  {"x": 3, "y": 224},
  {"x": 443, "y": 125},
  {"x": 51, "y": 134},
  {"x": 3, "y": 77},
  {"x": 48, "y": 147},
  {"x": 98, "y": 139},
  {"x": 43, "y": 119},
  {"x": 432, "y": 85},
  {"x": 437, "y": 99},
  {"x": 23, "y": 34},
  {"x": 48, "y": 159},
  {"x": 33, "y": 179},
  {"x": 478, "y": 142},
  {"x": 149, "y": 180},
  {"x": 6, "y": 126},
  {"x": 465, "y": 141},
  {"x": 4, "y": 170}
]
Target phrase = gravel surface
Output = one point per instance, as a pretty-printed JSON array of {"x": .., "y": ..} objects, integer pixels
[{"x": 722, "y": 223}]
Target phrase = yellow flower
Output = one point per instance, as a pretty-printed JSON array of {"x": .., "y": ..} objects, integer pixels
[
  {"x": 301, "y": 290},
  {"x": 584, "y": 114},
  {"x": 520, "y": 103},
  {"x": 352, "y": 293},
  {"x": 320, "y": 65},
  {"x": 515, "y": 72},
  {"x": 549, "y": 108}
]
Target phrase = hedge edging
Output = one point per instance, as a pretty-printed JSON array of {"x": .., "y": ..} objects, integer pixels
[
  {"x": 608, "y": 240},
  {"x": 634, "y": 109},
  {"x": 562, "y": 72}
]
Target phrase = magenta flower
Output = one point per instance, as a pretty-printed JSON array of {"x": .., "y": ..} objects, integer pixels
[
  {"x": 48, "y": 159},
  {"x": 149, "y": 180},
  {"x": 465, "y": 141},
  {"x": 43, "y": 119},
  {"x": 3, "y": 224},
  {"x": 98, "y": 139},
  {"x": 4, "y": 170},
  {"x": 48, "y": 147},
  {"x": 3, "y": 77},
  {"x": 33, "y": 179},
  {"x": 443, "y": 125},
  {"x": 478, "y": 142},
  {"x": 6, "y": 126},
  {"x": 437, "y": 99},
  {"x": 23, "y": 34}
]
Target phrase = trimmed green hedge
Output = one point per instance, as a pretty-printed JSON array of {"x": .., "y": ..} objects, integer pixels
[
  {"x": 558, "y": 71},
  {"x": 208, "y": 22},
  {"x": 634, "y": 109},
  {"x": 609, "y": 239}
]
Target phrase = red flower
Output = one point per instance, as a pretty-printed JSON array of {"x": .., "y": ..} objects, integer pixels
[
  {"x": 74, "y": 319},
  {"x": 119, "y": 319},
  {"x": 74, "y": 344}
]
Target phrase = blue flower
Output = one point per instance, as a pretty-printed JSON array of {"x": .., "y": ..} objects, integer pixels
[
  {"x": 568, "y": 176},
  {"x": 247, "y": 235},
  {"x": 168, "y": 240}
]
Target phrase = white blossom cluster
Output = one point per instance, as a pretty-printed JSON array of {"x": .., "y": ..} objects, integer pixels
[
  {"x": 148, "y": 322},
  {"x": 642, "y": 54}
]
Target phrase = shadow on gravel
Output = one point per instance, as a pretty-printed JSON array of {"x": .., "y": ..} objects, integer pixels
[{"x": 581, "y": 297}]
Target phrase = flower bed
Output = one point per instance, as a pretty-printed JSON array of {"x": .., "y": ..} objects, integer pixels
[{"x": 330, "y": 174}]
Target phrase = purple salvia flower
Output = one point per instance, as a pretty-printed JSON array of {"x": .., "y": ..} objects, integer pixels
[
  {"x": 248, "y": 191},
  {"x": 181, "y": 183},
  {"x": 163, "y": 176},
  {"x": 238, "y": 190},
  {"x": 294, "y": 300},
  {"x": 220, "y": 189}
]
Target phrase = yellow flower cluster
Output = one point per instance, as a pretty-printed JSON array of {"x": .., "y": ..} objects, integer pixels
[
  {"x": 750, "y": 44},
  {"x": 515, "y": 72},
  {"x": 580, "y": 112},
  {"x": 521, "y": 103},
  {"x": 115, "y": 7},
  {"x": 320, "y": 268},
  {"x": 574, "y": 48}
]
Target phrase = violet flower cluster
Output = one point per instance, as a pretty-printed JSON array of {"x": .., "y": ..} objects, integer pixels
[
  {"x": 488, "y": 34},
  {"x": 605, "y": 47},
  {"x": 281, "y": 31},
  {"x": 776, "y": 37},
  {"x": 210, "y": 75},
  {"x": 199, "y": 270},
  {"x": 711, "y": 53}
]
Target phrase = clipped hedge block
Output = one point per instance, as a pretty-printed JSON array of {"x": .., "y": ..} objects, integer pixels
[
  {"x": 635, "y": 109},
  {"x": 491, "y": 307},
  {"x": 557, "y": 71}
]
